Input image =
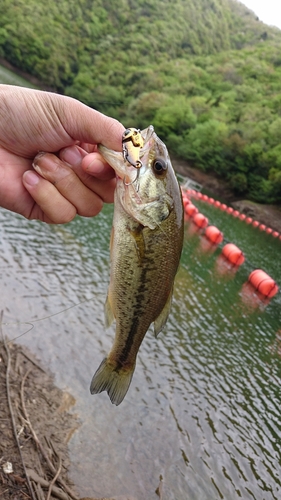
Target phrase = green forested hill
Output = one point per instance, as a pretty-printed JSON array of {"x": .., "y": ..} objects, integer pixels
[{"x": 206, "y": 73}]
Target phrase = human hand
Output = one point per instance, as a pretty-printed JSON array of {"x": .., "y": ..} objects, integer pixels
[{"x": 71, "y": 177}]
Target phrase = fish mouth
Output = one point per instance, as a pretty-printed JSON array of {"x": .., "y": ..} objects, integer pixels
[
  {"x": 123, "y": 170},
  {"x": 147, "y": 133}
]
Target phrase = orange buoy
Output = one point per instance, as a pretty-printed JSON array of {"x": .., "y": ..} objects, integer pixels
[
  {"x": 229, "y": 210},
  {"x": 262, "y": 227},
  {"x": 214, "y": 234},
  {"x": 235, "y": 213},
  {"x": 200, "y": 220},
  {"x": 211, "y": 201},
  {"x": 255, "y": 223},
  {"x": 275, "y": 234},
  {"x": 191, "y": 209},
  {"x": 263, "y": 283},
  {"x": 223, "y": 206},
  {"x": 248, "y": 220},
  {"x": 232, "y": 253},
  {"x": 242, "y": 216},
  {"x": 269, "y": 230},
  {"x": 217, "y": 203},
  {"x": 185, "y": 200}
]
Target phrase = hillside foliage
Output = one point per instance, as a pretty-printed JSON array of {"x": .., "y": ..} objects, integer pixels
[{"x": 205, "y": 73}]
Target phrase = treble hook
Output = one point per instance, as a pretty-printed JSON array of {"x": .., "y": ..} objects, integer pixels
[{"x": 135, "y": 180}]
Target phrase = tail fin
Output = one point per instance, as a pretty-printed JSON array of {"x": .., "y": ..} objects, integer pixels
[{"x": 115, "y": 382}]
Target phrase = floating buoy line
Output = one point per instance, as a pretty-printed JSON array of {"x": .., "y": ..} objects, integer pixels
[{"x": 261, "y": 282}]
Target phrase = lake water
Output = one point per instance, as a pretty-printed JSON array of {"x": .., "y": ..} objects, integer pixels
[{"x": 203, "y": 410}]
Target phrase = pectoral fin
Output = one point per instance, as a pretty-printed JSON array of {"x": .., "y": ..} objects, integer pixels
[
  {"x": 137, "y": 235},
  {"x": 160, "y": 322}
]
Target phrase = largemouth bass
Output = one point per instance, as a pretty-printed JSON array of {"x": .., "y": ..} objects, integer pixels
[{"x": 145, "y": 249}]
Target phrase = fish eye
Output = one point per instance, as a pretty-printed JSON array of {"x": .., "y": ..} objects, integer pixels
[{"x": 159, "y": 166}]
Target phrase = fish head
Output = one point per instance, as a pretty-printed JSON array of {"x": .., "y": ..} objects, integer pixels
[{"x": 149, "y": 192}]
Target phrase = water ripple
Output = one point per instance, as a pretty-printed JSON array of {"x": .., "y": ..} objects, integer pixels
[{"x": 203, "y": 411}]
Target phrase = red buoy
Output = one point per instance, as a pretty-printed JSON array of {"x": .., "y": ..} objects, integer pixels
[
  {"x": 255, "y": 223},
  {"x": 185, "y": 201},
  {"x": 200, "y": 220},
  {"x": 232, "y": 253},
  {"x": 242, "y": 216},
  {"x": 263, "y": 283},
  {"x": 248, "y": 220},
  {"x": 262, "y": 227},
  {"x": 191, "y": 209},
  {"x": 214, "y": 234}
]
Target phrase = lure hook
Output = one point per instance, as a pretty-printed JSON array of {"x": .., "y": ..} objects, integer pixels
[{"x": 135, "y": 180}]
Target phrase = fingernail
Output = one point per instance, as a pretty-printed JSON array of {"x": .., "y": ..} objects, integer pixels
[
  {"x": 72, "y": 156},
  {"x": 31, "y": 178},
  {"x": 96, "y": 167},
  {"x": 43, "y": 163}
]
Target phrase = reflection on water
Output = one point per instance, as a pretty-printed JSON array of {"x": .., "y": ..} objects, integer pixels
[{"x": 203, "y": 409}]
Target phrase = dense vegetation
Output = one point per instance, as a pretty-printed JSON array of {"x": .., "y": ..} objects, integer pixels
[{"x": 206, "y": 73}]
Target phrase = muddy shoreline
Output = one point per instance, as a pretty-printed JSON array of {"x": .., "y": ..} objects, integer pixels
[{"x": 36, "y": 424}]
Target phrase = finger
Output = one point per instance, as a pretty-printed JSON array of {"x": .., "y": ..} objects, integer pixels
[
  {"x": 93, "y": 163},
  {"x": 89, "y": 148},
  {"x": 49, "y": 122},
  {"x": 87, "y": 202},
  {"x": 57, "y": 211},
  {"x": 87, "y": 124},
  {"x": 73, "y": 155},
  {"x": 92, "y": 170}
]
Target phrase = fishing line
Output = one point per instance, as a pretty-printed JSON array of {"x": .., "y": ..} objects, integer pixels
[{"x": 31, "y": 323}]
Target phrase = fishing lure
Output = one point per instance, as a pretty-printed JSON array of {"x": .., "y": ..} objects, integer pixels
[{"x": 132, "y": 142}]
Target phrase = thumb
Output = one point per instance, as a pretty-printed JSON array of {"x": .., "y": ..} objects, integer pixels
[
  {"x": 45, "y": 121},
  {"x": 85, "y": 124}
]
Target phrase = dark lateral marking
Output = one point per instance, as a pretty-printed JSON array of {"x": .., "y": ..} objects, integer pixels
[{"x": 136, "y": 319}]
